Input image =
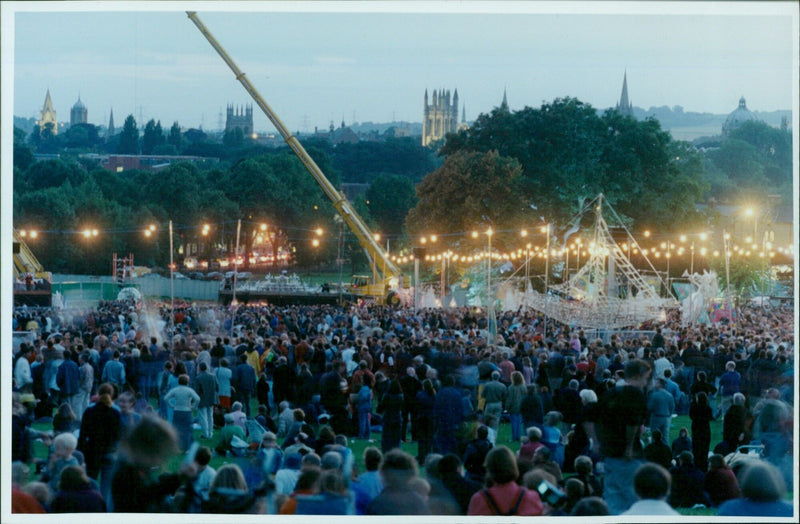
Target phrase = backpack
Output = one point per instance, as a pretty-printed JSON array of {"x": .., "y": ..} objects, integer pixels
[{"x": 496, "y": 509}]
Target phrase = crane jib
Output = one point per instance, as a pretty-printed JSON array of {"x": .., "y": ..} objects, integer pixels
[{"x": 353, "y": 220}]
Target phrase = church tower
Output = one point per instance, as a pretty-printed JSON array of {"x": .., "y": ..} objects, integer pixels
[
  {"x": 440, "y": 116},
  {"x": 78, "y": 114},
  {"x": 625, "y": 107},
  {"x": 48, "y": 115}
]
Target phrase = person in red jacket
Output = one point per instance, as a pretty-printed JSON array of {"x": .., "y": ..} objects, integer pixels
[{"x": 505, "y": 496}]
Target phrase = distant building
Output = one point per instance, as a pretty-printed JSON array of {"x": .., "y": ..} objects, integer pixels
[
  {"x": 440, "y": 116},
  {"x": 737, "y": 117},
  {"x": 48, "y": 115},
  {"x": 122, "y": 163},
  {"x": 78, "y": 114},
  {"x": 342, "y": 135},
  {"x": 240, "y": 118},
  {"x": 625, "y": 107}
]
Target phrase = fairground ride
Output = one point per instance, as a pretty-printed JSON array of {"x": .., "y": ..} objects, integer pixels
[{"x": 32, "y": 284}]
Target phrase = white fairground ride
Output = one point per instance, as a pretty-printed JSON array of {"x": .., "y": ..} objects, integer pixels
[{"x": 607, "y": 292}]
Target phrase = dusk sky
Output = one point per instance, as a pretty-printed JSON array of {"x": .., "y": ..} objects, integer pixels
[{"x": 322, "y": 62}]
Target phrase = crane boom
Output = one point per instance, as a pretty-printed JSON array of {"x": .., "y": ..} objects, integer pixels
[{"x": 340, "y": 202}]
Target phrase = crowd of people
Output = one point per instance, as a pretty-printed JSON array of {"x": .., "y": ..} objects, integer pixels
[{"x": 280, "y": 391}]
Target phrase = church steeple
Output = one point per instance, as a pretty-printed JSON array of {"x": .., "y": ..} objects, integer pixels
[
  {"x": 625, "y": 107},
  {"x": 504, "y": 103},
  {"x": 111, "y": 130},
  {"x": 48, "y": 115}
]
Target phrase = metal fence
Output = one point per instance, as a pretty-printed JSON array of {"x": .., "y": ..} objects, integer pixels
[{"x": 88, "y": 291}]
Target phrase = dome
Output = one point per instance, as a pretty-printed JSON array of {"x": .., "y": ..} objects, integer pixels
[
  {"x": 738, "y": 116},
  {"x": 79, "y": 104}
]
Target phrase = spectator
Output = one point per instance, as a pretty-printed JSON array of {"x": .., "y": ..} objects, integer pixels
[
  {"x": 652, "y": 484},
  {"x": 205, "y": 473},
  {"x": 183, "y": 399},
  {"x": 734, "y": 425},
  {"x": 504, "y": 496},
  {"x": 622, "y": 413},
  {"x": 100, "y": 432},
  {"x": 64, "y": 446},
  {"x": 593, "y": 487},
  {"x": 516, "y": 392},
  {"x": 205, "y": 384},
  {"x": 701, "y": 415},
  {"x": 729, "y": 383},
  {"x": 660, "y": 407},
  {"x": 590, "y": 507},
  {"x": 306, "y": 484},
  {"x": 227, "y": 435},
  {"x": 720, "y": 482},
  {"x": 681, "y": 443},
  {"x": 494, "y": 394},
  {"x": 224, "y": 375},
  {"x": 391, "y": 410},
  {"x": 370, "y": 480},
  {"x": 657, "y": 451},
  {"x": 332, "y": 497},
  {"x": 688, "y": 481},
  {"x": 396, "y": 498},
  {"x": 286, "y": 478},
  {"x": 229, "y": 494},
  {"x": 531, "y": 408},
  {"x": 763, "y": 492},
  {"x": 426, "y": 401},
  {"x": 542, "y": 460},
  {"x": 530, "y": 444},
  {"x": 134, "y": 488},
  {"x": 460, "y": 487},
  {"x": 76, "y": 493},
  {"x": 244, "y": 380}
]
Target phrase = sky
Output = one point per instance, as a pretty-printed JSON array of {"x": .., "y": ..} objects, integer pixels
[{"x": 323, "y": 62}]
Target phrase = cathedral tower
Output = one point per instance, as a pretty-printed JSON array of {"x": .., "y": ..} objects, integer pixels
[
  {"x": 48, "y": 115},
  {"x": 440, "y": 116}
]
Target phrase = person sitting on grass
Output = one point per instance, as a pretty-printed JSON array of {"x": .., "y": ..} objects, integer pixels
[
  {"x": 652, "y": 484},
  {"x": 226, "y": 435},
  {"x": 763, "y": 494}
]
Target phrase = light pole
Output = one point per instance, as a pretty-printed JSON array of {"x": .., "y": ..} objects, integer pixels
[
  {"x": 171, "y": 287},
  {"x": 546, "y": 229},
  {"x": 489, "y": 266}
]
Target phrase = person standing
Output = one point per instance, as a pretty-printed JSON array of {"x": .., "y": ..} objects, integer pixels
[
  {"x": 622, "y": 413},
  {"x": 114, "y": 372},
  {"x": 101, "y": 429},
  {"x": 701, "y": 415},
  {"x": 516, "y": 392},
  {"x": 205, "y": 384},
  {"x": 183, "y": 399},
  {"x": 224, "y": 375},
  {"x": 68, "y": 378},
  {"x": 86, "y": 384},
  {"x": 494, "y": 394},
  {"x": 245, "y": 382},
  {"x": 660, "y": 407},
  {"x": 391, "y": 408}
]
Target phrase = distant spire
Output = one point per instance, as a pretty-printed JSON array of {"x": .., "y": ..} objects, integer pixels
[
  {"x": 464, "y": 114},
  {"x": 504, "y": 104},
  {"x": 625, "y": 107},
  {"x": 111, "y": 123}
]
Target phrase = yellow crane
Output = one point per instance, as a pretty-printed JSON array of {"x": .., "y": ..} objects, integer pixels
[{"x": 387, "y": 278}]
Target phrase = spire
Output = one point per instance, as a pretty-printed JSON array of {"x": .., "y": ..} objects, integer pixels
[
  {"x": 625, "y": 107},
  {"x": 48, "y": 103},
  {"x": 464, "y": 114},
  {"x": 111, "y": 123},
  {"x": 504, "y": 103}
]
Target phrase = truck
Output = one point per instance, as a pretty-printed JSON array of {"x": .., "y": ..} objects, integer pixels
[{"x": 385, "y": 285}]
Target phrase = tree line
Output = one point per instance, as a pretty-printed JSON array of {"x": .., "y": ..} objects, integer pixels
[{"x": 508, "y": 170}]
